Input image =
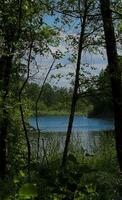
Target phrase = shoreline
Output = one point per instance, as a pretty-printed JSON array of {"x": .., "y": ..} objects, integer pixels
[
  {"x": 44, "y": 114},
  {"x": 57, "y": 113}
]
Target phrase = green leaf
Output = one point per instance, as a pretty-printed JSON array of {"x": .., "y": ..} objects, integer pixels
[
  {"x": 16, "y": 179},
  {"x": 120, "y": 27},
  {"x": 71, "y": 1},
  {"x": 21, "y": 173},
  {"x": 28, "y": 191},
  {"x": 90, "y": 188}
]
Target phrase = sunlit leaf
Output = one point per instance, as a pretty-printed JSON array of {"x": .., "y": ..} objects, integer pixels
[{"x": 28, "y": 191}]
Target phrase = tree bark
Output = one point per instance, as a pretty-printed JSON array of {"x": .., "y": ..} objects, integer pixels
[
  {"x": 115, "y": 74},
  {"x": 75, "y": 92},
  {"x": 5, "y": 78},
  {"x": 11, "y": 36}
]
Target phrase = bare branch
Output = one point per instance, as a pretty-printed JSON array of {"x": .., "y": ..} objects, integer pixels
[
  {"x": 37, "y": 124},
  {"x": 21, "y": 109}
]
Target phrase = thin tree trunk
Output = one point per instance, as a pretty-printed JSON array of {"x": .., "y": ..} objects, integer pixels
[
  {"x": 21, "y": 110},
  {"x": 37, "y": 124},
  {"x": 115, "y": 74},
  {"x": 76, "y": 86}
]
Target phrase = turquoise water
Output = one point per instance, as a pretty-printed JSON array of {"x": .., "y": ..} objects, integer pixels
[{"x": 81, "y": 124}]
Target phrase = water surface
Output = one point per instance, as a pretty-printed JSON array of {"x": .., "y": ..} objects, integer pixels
[{"x": 81, "y": 124}]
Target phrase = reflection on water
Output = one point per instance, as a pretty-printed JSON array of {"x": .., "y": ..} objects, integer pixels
[
  {"x": 85, "y": 142},
  {"x": 86, "y": 137}
]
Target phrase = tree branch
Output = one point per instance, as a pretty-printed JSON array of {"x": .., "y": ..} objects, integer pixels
[
  {"x": 21, "y": 109},
  {"x": 37, "y": 124}
]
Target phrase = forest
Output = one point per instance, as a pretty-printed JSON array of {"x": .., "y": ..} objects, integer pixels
[
  {"x": 61, "y": 68},
  {"x": 57, "y": 101}
]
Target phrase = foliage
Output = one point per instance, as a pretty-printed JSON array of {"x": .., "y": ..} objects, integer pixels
[
  {"x": 85, "y": 177},
  {"x": 54, "y": 100},
  {"x": 101, "y": 97},
  {"x": 27, "y": 191}
]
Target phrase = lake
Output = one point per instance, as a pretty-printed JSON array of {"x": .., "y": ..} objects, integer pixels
[
  {"x": 87, "y": 132},
  {"x": 81, "y": 124}
]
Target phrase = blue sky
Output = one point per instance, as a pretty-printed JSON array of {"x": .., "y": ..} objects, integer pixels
[
  {"x": 96, "y": 61},
  {"x": 96, "y": 58}
]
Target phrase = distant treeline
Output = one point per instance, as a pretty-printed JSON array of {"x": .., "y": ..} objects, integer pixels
[
  {"x": 54, "y": 100},
  {"x": 101, "y": 96}
]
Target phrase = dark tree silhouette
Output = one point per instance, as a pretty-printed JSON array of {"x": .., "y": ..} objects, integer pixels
[
  {"x": 114, "y": 73},
  {"x": 76, "y": 86},
  {"x": 11, "y": 33}
]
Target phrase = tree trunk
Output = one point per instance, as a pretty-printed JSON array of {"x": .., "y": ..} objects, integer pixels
[
  {"x": 76, "y": 86},
  {"x": 5, "y": 78},
  {"x": 115, "y": 74},
  {"x": 10, "y": 39}
]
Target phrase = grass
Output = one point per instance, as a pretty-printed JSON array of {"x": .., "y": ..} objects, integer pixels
[{"x": 86, "y": 176}]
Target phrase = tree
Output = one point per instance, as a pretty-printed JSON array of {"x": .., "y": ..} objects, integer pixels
[
  {"x": 115, "y": 73},
  {"x": 21, "y": 26},
  {"x": 99, "y": 94},
  {"x": 10, "y": 33},
  {"x": 84, "y": 9}
]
